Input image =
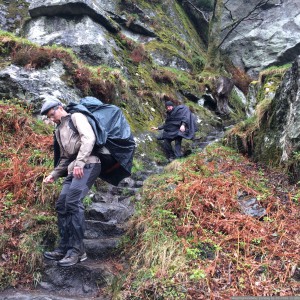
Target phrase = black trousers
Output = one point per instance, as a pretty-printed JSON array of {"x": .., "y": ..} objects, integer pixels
[
  {"x": 176, "y": 153},
  {"x": 70, "y": 209}
]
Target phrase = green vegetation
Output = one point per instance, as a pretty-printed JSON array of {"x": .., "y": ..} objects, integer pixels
[
  {"x": 17, "y": 12},
  {"x": 28, "y": 223},
  {"x": 189, "y": 232},
  {"x": 272, "y": 71},
  {"x": 249, "y": 135},
  {"x": 188, "y": 239},
  {"x": 148, "y": 82}
]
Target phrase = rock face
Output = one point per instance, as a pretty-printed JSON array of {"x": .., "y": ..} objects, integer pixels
[
  {"x": 94, "y": 46},
  {"x": 131, "y": 38},
  {"x": 286, "y": 116},
  {"x": 279, "y": 135},
  {"x": 90, "y": 8},
  {"x": 270, "y": 38},
  {"x": 84, "y": 25},
  {"x": 199, "y": 17},
  {"x": 35, "y": 85}
]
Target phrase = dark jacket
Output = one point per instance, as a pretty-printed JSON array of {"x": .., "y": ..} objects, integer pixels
[{"x": 181, "y": 114}]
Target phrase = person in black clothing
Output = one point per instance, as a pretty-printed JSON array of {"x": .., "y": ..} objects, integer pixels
[{"x": 179, "y": 124}]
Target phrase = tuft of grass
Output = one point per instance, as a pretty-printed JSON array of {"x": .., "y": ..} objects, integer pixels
[{"x": 273, "y": 70}]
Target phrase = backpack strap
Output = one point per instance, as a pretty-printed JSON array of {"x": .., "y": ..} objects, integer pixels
[
  {"x": 108, "y": 162},
  {"x": 71, "y": 125}
]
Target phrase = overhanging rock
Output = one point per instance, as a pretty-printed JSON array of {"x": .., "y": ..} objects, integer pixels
[{"x": 50, "y": 8}]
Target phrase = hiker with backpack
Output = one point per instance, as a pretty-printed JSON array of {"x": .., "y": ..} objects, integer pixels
[
  {"x": 180, "y": 123},
  {"x": 79, "y": 161},
  {"x": 82, "y": 170}
]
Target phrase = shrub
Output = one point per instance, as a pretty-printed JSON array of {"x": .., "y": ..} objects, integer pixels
[
  {"x": 138, "y": 54},
  {"x": 32, "y": 57},
  {"x": 127, "y": 42},
  {"x": 240, "y": 78},
  {"x": 163, "y": 76},
  {"x": 198, "y": 63},
  {"x": 103, "y": 89},
  {"x": 82, "y": 77}
]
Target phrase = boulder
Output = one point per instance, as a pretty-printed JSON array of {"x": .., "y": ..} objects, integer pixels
[
  {"x": 271, "y": 38},
  {"x": 90, "y": 8},
  {"x": 94, "y": 46},
  {"x": 109, "y": 211},
  {"x": 224, "y": 86},
  {"x": 34, "y": 85}
]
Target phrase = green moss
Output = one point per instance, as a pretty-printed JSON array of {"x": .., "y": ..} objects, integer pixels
[
  {"x": 198, "y": 63},
  {"x": 238, "y": 106},
  {"x": 17, "y": 11},
  {"x": 266, "y": 149}
]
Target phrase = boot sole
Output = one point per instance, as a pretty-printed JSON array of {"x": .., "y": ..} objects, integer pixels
[
  {"x": 53, "y": 258},
  {"x": 83, "y": 257}
]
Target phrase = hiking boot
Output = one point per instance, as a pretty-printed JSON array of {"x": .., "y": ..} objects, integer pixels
[
  {"x": 54, "y": 255},
  {"x": 72, "y": 259}
]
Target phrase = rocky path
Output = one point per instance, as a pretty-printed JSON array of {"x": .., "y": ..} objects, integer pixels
[{"x": 106, "y": 220}]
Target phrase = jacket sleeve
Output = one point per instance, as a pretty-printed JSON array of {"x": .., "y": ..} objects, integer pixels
[
  {"x": 61, "y": 169},
  {"x": 87, "y": 138}
]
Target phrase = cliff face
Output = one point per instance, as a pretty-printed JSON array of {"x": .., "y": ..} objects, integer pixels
[
  {"x": 267, "y": 35},
  {"x": 270, "y": 37},
  {"x": 278, "y": 140},
  {"x": 128, "y": 53},
  {"x": 133, "y": 54}
]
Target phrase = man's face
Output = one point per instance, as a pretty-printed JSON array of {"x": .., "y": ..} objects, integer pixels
[
  {"x": 169, "y": 108},
  {"x": 54, "y": 114}
]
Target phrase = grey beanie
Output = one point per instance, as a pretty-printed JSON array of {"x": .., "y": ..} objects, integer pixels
[
  {"x": 48, "y": 104},
  {"x": 169, "y": 103}
]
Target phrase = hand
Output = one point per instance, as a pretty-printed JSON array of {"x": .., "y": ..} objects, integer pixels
[
  {"x": 154, "y": 128},
  {"x": 182, "y": 128},
  {"x": 78, "y": 172},
  {"x": 48, "y": 179}
]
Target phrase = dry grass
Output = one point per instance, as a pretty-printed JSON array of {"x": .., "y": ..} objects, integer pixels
[
  {"x": 26, "y": 219},
  {"x": 192, "y": 241}
]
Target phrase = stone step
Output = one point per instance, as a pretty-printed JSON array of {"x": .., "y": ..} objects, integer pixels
[
  {"x": 82, "y": 279},
  {"x": 202, "y": 145},
  {"x": 13, "y": 294},
  {"x": 105, "y": 212},
  {"x": 123, "y": 191},
  {"x": 101, "y": 248},
  {"x": 98, "y": 229}
]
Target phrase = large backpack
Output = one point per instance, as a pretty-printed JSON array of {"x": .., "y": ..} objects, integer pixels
[{"x": 112, "y": 131}]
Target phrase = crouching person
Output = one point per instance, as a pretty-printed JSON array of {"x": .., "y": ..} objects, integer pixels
[{"x": 82, "y": 170}]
